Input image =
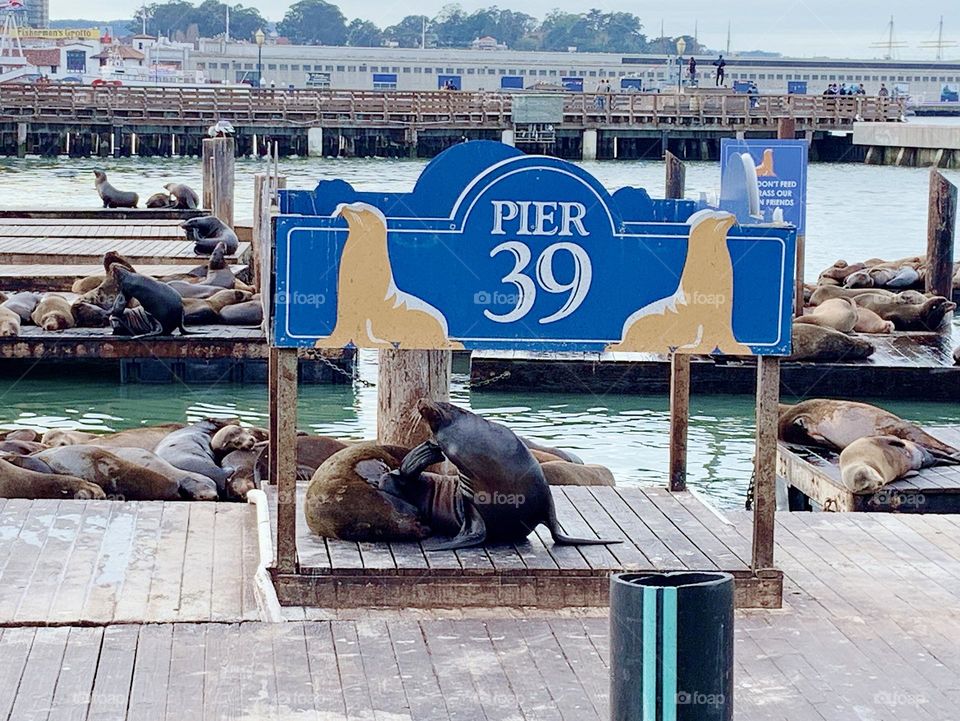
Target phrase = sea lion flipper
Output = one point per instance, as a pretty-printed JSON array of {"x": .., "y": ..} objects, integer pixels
[
  {"x": 473, "y": 532},
  {"x": 563, "y": 540},
  {"x": 420, "y": 458}
]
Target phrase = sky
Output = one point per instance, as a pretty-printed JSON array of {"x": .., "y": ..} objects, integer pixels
[{"x": 836, "y": 28}]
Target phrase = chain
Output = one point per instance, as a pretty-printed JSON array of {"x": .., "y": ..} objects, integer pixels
[
  {"x": 351, "y": 376},
  {"x": 751, "y": 491},
  {"x": 489, "y": 381}
]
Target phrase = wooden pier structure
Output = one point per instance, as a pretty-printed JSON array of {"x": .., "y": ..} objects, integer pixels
[
  {"x": 812, "y": 476},
  {"x": 122, "y": 121}
]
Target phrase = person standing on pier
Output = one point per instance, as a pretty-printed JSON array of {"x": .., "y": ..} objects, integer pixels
[
  {"x": 883, "y": 92},
  {"x": 692, "y": 71},
  {"x": 720, "y": 64}
]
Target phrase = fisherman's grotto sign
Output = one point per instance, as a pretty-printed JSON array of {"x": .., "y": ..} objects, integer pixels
[{"x": 495, "y": 249}]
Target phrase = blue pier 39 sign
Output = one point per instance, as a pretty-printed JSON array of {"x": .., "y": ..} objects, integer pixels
[{"x": 494, "y": 249}]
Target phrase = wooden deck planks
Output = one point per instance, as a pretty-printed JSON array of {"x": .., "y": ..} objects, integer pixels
[{"x": 28, "y": 251}]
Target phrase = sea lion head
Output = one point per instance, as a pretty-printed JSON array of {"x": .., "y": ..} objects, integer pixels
[
  {"x": 438, "y": 414},
  {"x": 911, "y": 297},
  {"x": 233, "y": 438},
  {"x": 100, "y": 176},
  {"x": 120, "y": 273},
  {"x": 54, "y": 321},
  {"x": 936, "y": 309},
  {"x": 169, "y": 187},
  {"x": 860, "y": 279},
  {"x": 217, "y": 256},
  {"x": 88, "y": 315}
]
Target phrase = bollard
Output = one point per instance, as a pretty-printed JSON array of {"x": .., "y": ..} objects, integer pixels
[{"x": 671, "y": 646}]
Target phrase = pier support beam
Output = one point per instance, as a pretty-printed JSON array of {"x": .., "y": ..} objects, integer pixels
[
  {"x": 589, "y": 147},
  {"x": 218, "y": 177},
  {"x": 679, "y": 363},
  {"x": 765, "y": 461},
  {"x": 508, "y": 137},
  {"x": 22, "y": 129},
  {"x": 941, "y": 221},
  {"x": 315, "y": 142},
  {"x": 283, "y": 444},
  {"x": 406, "y": 376}
]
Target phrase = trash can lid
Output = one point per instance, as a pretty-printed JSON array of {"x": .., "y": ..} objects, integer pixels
[{"x": 673, "y": 579}]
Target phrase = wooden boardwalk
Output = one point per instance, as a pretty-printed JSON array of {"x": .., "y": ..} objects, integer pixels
[
  {"x": 88, "y": 251},
  {"x": 660, "y": 530},
  {"x": 902, "y": 366},
  {"x": 101, "y": 562},
  {"x": 815, "y": 473},
  {"x": 868, "y": 633},
  {"x": 42, "y": 277}
]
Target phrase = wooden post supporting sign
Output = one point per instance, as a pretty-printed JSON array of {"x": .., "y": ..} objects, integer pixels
[
  {"x": 406, "y": 376},
  {"x": 765, "y": 461},
  {"x": 941, "y": 222},
  {"x": 284, "y": 395},
  {"x": 679, "y": 363}
]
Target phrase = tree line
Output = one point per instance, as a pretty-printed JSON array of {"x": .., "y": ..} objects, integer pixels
[{"x": 317, "y": 22}]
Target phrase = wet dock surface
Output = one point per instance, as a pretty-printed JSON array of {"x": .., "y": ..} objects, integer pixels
[{"x": 868, "y": 631}]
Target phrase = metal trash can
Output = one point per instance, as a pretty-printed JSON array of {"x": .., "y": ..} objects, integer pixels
[{"x": 671, "y": 646}]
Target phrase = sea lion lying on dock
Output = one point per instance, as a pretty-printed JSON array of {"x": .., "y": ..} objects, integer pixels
[
  {"x": 563, "y": 473},
  {"x": 192, "y": 486},
  {"x": 146, "y": 438},
  {"x": 160, "y": 201},
  {"x": 838, "y": 272},
  {"x": 835, "y": 424},
  {"x": 190, "y": 449},
  {"x": 870, "y": 322},
  {"x": 840, "y": 314},
  {"x": 235, "y": 437},
  {"x": 815, "y": 343},
  {"x": 868, "y": 464},
  {"x": 249, "y": 313},
  {"x": 9, "y": 323},
  {"x": 158, "y": 299},
  {"x": 88, "y": 315},
  {"x": 563, "y": 455},
  {"x": 344, "y": 500},
  {"x": 111, "y": 197},
  {"x": 116, "y": 476},
  {"x": 245, "y": 475},
  {"x": 23, "y": 304},
  {"x": 53, "y": 313},
  {"x": 17, "y": 482},
  {"x": 198, "y": 311},
  {"x": 207, "y": 232}
]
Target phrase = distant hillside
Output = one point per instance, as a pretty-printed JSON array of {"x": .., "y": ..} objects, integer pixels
[{"x": 117, "y": 27}]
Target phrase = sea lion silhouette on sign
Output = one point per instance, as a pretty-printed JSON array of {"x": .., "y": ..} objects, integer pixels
[
  {"x": 698, "y": 317},
  {"x": 371, "y": 311}
]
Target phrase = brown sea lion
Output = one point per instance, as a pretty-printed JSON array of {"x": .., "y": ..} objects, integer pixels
[
  {"x": 20, "y": 434},
  {"x": 503, "y": 493},
  {"x": 16, "y": 482},
  {"x": 186, "y": 289},
  {"x": 868, "y": 464},
  {"x": 9, "y": 323},
  {"x": 236, "y": 438},
  {"x": 929, "y": 316},
  {"x": 147, "y": 438},
  {"x": 543, "y": 457},
  {"x": 826, "y": 292},
  {"x": 839, "y": 271},
  {"x": 117, "y": 477},
  {"x": 559, "y": 453},
  {"x": 248, "y": 313},
  {"x": 837, "y": 313},
  {"x": 343, "y": 500},
  {"x": 244, "y": 476},
  {"x": 86, "y": 284},
  {"x": 562, "y": 473},
  {"x": 870, "y": 322},
  {"x": 59, "y": 437},
  {"x": 814, "y": 343},
  {"x": 53, "y": 313},
  {"x": 184, "y": 197},
  {"x": 22, "y": 448},
  {"x": 111, "y": 197},
  {"x": 193, "y": 486},
  {"x": 160, "y": 200},
  {"x": 836, "y": 424},
  {"x": 201, "y": 312},
  {"x": 88, "y": 315}
]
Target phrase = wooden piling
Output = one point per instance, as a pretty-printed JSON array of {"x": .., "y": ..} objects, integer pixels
[
  {"x": 263, "y": 210},
  {"x": 283, "y": 386},
  {"x": 941, "y": 222},
  {"x": 765, "y": 461},
  {"x": 679, "y": 363},
  {"x": 218, "y": 177},
  {"x": 22, "y": 129},
  {"x": 406, "y": 376}
]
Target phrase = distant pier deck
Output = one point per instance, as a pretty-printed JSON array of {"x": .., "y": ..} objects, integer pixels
[
  {"x": 85, "y": 121},
  {"x": 913, "y": 144},
  {"x": 905, "y": 365}
]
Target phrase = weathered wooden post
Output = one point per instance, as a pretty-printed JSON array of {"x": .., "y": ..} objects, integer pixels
[
  {"x": 263, "y": 210},
  {"x": 941, "y": 224},
  {"x": 22, "y": 129},
  {"x": 404, "y": 377},
  {"x": 218, "y": 177},
  {"x": 283, "y": 394},
  {"x": 679, "y": 362},
  {"x": 765, "y": 461}
]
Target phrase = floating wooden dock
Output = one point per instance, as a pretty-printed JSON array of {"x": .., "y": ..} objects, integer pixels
[
  {"x": 867, "y": 631},
  {"x": 660, "y": 531},
  {"x": 905, "y": 365},
  {"x": 813, "y": 475}
]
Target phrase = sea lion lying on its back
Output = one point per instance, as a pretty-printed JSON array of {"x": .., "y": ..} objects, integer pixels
[
  {"x": 868, "y": 464},
  {"x": 111, "y": 197},
  {"x": 207, "y": 232}
]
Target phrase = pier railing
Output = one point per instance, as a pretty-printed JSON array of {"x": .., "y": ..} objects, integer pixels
[{"x": 168, "y": 106}]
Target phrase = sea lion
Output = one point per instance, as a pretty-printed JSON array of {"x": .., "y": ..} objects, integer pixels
[
  {"x": 836, "y": 424},
  {"x": 158, "y": 299},
  {"x": 557, "y": 452},
  {"x": 839, "y": 271},
  {"x": 505, "y": 495},
  {"x": 160, "y": 200},
  {"x": 20, "y": 434},
  {"x": 825, "y": 292},
  {"x": 343, "y": 499},
  {"x": 29, "y": 463},
  {"x": 146, "y": 438},
  {"x": 815, "y": 343},
  {"x": 218, "y": 272},
  {"x": 562, "y": 473},
  {"x": 870, "y": 322},
  {"x": 904, "y": 277},
  {"x": 206, "y": 232},
  {"x": 312, "y": 451},
  {"x": 88, "y": 315},
  {"x": 9, "y": 323},
  {"x": 185, "y": 197},
  {"x": 22, "y": 448},
  {"x": 200, "y": 291},
  {"x": 17, "y": 482},
  {"x": 58, "y": 437},
  {"x": 135, "y": 323},
  {"x": 23, "y": 304},
  {"x": 111, "y": 197},
  {"x": 926, "y": 317},
  {"x": 236, "y": 438},
  {"x": 53, "y": 313},
  {"x": 837, "y": 313},
  {"x": 190, "y": 450},
  {"x": 199, "y": 312},
  {"x": 86, "y": 284},
  {"x": 247, "y": 313},
  {"x": 868, "y": 464},
  {"x": 860, "y": 279},
  {"x": 117, "y": 477},
  {"x": 679, "y": 322},
  {"x": 245, "y": 476},
  {"x": 192, "y": 486}
]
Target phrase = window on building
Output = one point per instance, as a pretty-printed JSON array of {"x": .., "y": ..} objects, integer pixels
[
  {"x": 384, "y": 81},
  {"x": 418, "y": 70},
  {"x": 248, "y": 66},
  {"x": 395, "y": 70},
  {"x": 406, "y": 69},
  {"x": 77, "y": 61},
  {"x": 362, "y": 68},
  {"x": 593, "y": 73},
  {"x": 491, "y": 71},
  {"x": 449, "y": 71},
  {"x": 272, "y": 66},
  {"x": 471, "y": 71},
  {"x": 295, "y": 67},
  {"x": 459, "y": 71},
  {"x": 502, "y": 71},
  {"x": 200, "y": 66},
  {"x": 543, "y": 72},
  {"x": 341, "y": 68},
  {"x": 553, "y": 73},
  {"x": 224, "y": 66},
  {"x": 428, "y": 70},
  {"x": 328, "y": 68},
  {"x": 351, "y": 68},
  {"x": 284, "y": 66}
]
